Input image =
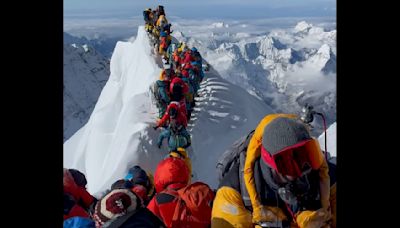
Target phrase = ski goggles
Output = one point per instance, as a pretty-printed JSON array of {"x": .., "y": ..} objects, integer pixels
[{"x": 296, "y": 160}]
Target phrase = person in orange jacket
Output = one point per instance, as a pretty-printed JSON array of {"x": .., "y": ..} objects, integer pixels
[{"x": 285, "y": 180}]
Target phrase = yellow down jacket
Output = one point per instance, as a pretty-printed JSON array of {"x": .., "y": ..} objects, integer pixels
[{"x": 229, "y": 210}]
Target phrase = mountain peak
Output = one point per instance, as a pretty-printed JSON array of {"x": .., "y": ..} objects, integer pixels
[
  {"x": 219, "y": 25},
  {"x": 302, "y": 27},
  {"x": 324, "y": 59}
]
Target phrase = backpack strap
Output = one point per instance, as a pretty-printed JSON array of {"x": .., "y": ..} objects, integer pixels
[
  {"x": 177, "y": 211},
  {"x": 163, "y": 197}
]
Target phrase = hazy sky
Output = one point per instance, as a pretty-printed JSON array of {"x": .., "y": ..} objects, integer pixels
[{"x": 202, "y": 8}]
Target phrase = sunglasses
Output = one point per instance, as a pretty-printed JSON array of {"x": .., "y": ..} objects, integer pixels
[{"x": 297, "y": 160}]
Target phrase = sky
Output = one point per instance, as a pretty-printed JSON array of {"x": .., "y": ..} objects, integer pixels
[{"x": 205, "y": 8}]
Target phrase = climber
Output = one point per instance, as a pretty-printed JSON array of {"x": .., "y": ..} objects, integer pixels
[
  {"x": 178, "y": 203},
  {"x": 182, "y": 153},
  {"x": 176, "y": 135},
  {"x": 77, "y": 201},
  {"x": 143, "y": 183},
  {"x": 173, "y": 114},
  {"x": 285, "y": 179},
  {"x": 160, "y": 91}
]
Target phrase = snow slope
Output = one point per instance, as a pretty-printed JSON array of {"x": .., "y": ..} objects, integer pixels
[
  {"x": 331, "y": 139},
  {"x": 119, "y": 132},
  {"x": 85, "y": 73},
  {"x": 286, "y": 68},
  {"x": 225, "y": 113}
]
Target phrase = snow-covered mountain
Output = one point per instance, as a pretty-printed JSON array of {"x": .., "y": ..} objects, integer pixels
[
  {"x": 85, "y": 73},
  {"x": 119, "y": 132},
  {"x": 286, "y": 68},
  {"x": 103, "y": 44}
]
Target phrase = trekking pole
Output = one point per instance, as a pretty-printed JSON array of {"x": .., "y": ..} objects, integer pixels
[
  {"x": 307, "y": 117},
  {"x": 326, "y": 141}
]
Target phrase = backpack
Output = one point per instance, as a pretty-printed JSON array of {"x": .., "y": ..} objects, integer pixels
[
  {"x": 193, "y": 205},
  {"x": 177, "y": 90},
  {"x": 161, "y": 10},
  {"x": 236, "y": 153},
  {"x": 154, "y": 90},
  {"x": 177, "y": 139},
  {"x": 146, "y": 15}
]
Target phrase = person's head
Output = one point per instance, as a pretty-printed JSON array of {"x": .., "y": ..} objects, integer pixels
[
  {"x": 115, "y": 204},
  {"x": 173, "y": 112},
  {"x": 137, "y": 176},
  {"x": 171, "y": 171},
  {"x": 179, "y": 153},
  {"x": 122, "y": 184},
  {"x": 193, "y": 49},
  {"x": 288, "y": 148},
  {"x": 79, "y": 177}
]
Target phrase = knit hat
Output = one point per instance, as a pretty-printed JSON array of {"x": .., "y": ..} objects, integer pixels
[
  {"x": 115, "y": 204},
  {"x": 282, "y": 133},
  {"x": 122, "y": 184}
]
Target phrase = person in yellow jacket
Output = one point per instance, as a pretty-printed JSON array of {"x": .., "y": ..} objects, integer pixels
[
  {"x": 284, "y": 181},
  {"x": 161, "y": 21}
]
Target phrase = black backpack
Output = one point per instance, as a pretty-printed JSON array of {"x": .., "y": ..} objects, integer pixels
[
  {"x": 154, "y": 90},
  {"x": 236, "y": 153},
  {"x": 161, "y": 10},
  {"x": 177, "y": 94},
  {"x": 146, "y": 15}
]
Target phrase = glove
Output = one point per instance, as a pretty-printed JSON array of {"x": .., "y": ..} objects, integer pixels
[
  {"x": 311, "y": 219},
  {"x": 155, "y": 127},
  {"x": 266, "y": 213},
  {"x": 159, "y": 146}
]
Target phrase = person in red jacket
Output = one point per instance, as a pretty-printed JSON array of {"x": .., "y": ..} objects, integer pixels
[
  {"x": 188, "y": 57},
  {"x": 173, "y": 113},
  {"x": 176, "y": 81},
  {"x": 171, "y": 173},
  {"x": 178, "y": 90},
  {"x": 77, "y": 201},
  {"x": 186, "y": 68}
]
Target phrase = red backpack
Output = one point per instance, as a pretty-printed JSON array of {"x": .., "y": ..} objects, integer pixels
[{"x": 193, "y": 206}]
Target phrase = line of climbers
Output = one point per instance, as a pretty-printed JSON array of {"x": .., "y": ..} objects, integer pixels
[
  {"x": 275, "y": 176},
  {"x": 178, "y": 83}
]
